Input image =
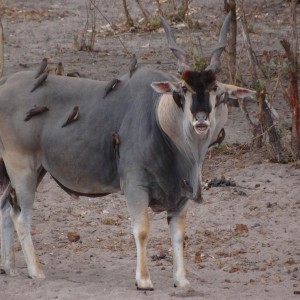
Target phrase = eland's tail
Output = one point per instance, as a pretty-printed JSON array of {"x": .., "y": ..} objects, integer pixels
[{"x": 4, "y": 179}]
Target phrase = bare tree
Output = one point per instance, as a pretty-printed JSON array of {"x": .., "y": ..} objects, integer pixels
[
  {"x": 231, "y": 6},
  {"x": 292, "y": 96},
  {"x": 1, "y": 49},
  {"x": 264, "y": 124},
  {"x": 87, "y": 43},
  {"x": 178, "y": 13},
  {"x": 183, "y": 9}
]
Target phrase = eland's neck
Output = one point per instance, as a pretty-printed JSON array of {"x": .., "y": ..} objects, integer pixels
[{"x": 177, "y": 126}]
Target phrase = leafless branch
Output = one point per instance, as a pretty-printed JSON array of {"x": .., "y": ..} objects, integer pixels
[
  {"x": 144, "y": 11},
  {"x": 129, "y": 20},
  {"x": 116, "y": 35}
]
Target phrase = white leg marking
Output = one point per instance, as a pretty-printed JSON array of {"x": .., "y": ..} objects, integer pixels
[
  {"x": 177, "y": 229},
  {"x": 25, "y": 182},
  {"x": 141, "y": 234},
  {"x": 137, "y": 202}
]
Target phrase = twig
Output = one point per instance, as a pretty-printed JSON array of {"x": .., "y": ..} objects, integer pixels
[
  {"x": 276, "y": 87},
  {"x": 116, "y": 35},
  {"x": 246, "y": 113},
  {"x": 252, "y": 57},
  {"x": 143, "y": 9},
  {"x": 250, "y": 52},
  {"x": 159, "y": 8},
  {"x": 231, "y": 6}
]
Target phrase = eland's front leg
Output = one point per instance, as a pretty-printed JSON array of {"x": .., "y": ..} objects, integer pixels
[
  {"x": 176, "y": 221},
  {"x": 8, "y": 265},
  {"x": 137, "y": 202}
]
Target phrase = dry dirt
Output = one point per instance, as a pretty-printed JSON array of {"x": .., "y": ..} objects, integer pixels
[{"x": 243, "y": 242}]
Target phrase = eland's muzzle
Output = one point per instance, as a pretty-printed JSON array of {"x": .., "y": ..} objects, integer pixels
[{"x": 201, "y": 122}]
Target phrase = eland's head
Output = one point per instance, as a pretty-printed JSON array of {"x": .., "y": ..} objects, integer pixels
[{"x": 203, "y": 99}]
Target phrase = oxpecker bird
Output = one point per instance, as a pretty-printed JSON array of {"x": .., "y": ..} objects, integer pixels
[
  {"x": 116, "y": 143},
  {"x": 42, "y": 67},
  {"x": 74, "y": 116},
  {"x": 40, "y": 81},
  {"x": 111, "y": 85},
  {"x": 133, "y": 64},
  {"x": 74, "y": 74},
  {"x": 36, "y": 110},
  {"x": 220, "y": 138},
  {"x": 59, "y": 70}
]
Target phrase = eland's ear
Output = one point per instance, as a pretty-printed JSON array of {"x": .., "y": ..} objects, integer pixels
[
  {"x": 164, "y": 87},
  {"x": 234, "y": 91},
  {"x": 241, "y": 93}
]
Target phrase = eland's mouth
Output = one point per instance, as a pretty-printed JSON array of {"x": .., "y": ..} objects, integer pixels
[{"x": 201, "y": 128}]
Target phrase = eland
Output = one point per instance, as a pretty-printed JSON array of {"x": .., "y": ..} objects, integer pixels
[{"x": 163, "y": 125}]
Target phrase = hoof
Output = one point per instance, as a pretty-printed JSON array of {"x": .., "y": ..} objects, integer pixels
[
  {"x": 9, "y": 272},
  {"x": 184, "y": 283},
  {"x": 144, "y": 285},
  {"x": 144, "y": 289},
  {"x": 37, "y": 276}
]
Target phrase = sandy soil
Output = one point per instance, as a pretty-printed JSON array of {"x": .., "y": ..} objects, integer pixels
[{"x": 243, "y": 242}]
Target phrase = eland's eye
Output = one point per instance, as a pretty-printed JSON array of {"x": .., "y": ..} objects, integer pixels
[
  {"x": 215, "y": 88},
  {"x": 184, "y": 89}
]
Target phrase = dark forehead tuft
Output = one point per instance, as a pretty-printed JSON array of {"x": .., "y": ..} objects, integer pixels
[{"x": 199, "y": 80}]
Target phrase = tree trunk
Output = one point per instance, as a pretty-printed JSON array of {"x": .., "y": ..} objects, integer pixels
[
  {"x": 278, "y": 152},
  {"x": 1, "y": 49},
  {"x": 293, "y": 98},
  {"x": 231, "y": 6},
  {"x": 258, "y": 129},
  {"x": 129, "y": 20},
  {"x": 294, "y": 83}
]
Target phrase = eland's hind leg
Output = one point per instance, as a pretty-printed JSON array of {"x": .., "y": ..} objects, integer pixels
[
  {"x": 8, "y": 265},
  {"x": 24, "y": 179}
]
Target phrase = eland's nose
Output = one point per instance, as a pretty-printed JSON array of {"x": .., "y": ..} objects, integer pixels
[{"x": 201, "y": 116}]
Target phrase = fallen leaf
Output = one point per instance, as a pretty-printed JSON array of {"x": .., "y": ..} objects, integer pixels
[
  {"x": 198, "y": 259},
  {"x": 73, "y": 236},
  {"x": 241, "y": 228}
]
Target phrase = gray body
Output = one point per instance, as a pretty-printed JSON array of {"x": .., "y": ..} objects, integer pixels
[{"x": 81, "y": 155}]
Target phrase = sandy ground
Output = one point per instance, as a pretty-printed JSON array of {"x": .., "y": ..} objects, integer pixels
[{"x": 243, "y": 242}]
